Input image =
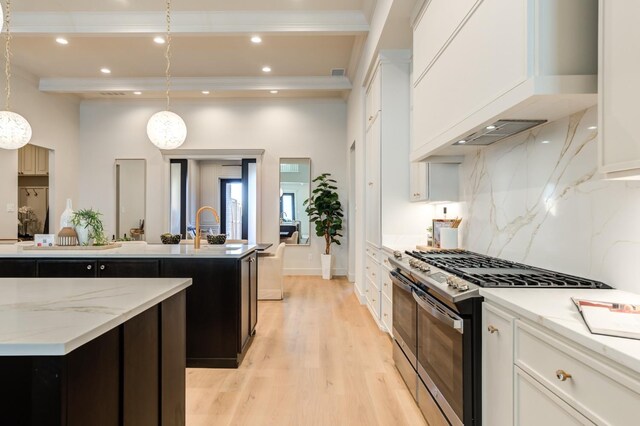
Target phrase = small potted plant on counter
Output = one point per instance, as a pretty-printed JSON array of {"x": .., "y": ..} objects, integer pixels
[
  {"x": 325, "y": 212},
  {"x": 89, "y": 227}
]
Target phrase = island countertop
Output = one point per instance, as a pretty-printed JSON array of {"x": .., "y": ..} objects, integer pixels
[
  {"x": 54, "y": 316},
  {"x": 231, "y": 251}
]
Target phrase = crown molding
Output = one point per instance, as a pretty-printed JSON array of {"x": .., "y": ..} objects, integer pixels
[
  {"x": 199, "y": 22},
  {"x": 187, "y": 84}
]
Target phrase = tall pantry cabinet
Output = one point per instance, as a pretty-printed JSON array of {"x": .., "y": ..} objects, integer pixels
[{"x": 386, "y": 172}]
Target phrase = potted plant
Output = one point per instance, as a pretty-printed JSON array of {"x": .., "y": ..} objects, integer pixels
[
  {"x": 89, "y": 227},
  {"x": 325, "y": 212}
]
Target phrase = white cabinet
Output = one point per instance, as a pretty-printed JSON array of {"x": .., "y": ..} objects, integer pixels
[
  {"x": 619, "y": 86},
  {"x": 532, "y": 376},
  {"x": 497, "y": 366},
  {"x": 387, "y": 147},
  {"x": 476, "y": 61},
  {"x": 434, "y": 182},
  {"x": 33, "y": 161}
]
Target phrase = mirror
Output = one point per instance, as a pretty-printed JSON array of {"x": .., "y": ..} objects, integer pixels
[
  {"x": 131, "y": 183},
  {"x": 295, "y": 183}
]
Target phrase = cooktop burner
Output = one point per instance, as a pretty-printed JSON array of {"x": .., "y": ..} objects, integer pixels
[{"x": 487, "y": 271}]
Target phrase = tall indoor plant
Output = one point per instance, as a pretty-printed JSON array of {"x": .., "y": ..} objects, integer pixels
[{"x": 325, "y": 212}]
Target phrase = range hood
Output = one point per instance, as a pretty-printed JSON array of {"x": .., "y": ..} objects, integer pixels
[
  {"x": 499, "y": 130},
  {"x": 482, "y": 90}
]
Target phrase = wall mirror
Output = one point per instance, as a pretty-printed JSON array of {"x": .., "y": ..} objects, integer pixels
[
  {"x": 295, "y": 184},
  {"x": 131, "y": 184}
]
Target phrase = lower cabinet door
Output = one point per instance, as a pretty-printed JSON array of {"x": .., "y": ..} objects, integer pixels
[
  {"x": 253, "y": 293},
  {"x": 61, "y": 268},
  {"x": 535, "y": 405},
  {"x": 138, "y": 268}
]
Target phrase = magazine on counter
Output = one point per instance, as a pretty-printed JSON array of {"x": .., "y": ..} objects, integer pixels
[{"x": 610, "y": 318}]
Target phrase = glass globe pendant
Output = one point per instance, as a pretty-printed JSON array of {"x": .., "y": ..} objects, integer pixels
[
  {"x": 166, "y": 129},
  {"x": 15, "y": 130}
]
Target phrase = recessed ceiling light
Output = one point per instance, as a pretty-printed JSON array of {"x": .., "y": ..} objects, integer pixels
[
  {"x": 462, "y": 142},
  {"x": 546, "y": 142},
  {"x": 205, "y": 92},
  {"x": 273, "y": 92},
  {"x": 159, "y": 40},
  {"x": 137, "y": 93},
  {"x": 266, "y": 69},
  {"x": 492, "y": 127},
  {"x": 592, "y": 128},
  {"x": 256, "y": 39},
  {"x": 62, "y": 40},
  {"x": 105, "y": 70}
]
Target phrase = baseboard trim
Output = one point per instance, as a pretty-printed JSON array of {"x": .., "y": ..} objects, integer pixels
[
  {"x": 339, "y": 272},
  {"x": 361, "y": 297},
  {"x": 352, "y": 277},
  {"x": 270, "y": 294}
]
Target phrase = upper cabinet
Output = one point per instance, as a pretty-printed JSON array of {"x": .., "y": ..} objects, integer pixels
[
  {"x": 619, "y": 139},
  {"x": 434, "y": 182},
  {"x": 480, "y": 61},
  {"x": 33, "y": 161}
]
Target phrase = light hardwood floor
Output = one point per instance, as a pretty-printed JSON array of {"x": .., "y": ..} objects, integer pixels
[{"x": 317, "y": 359}]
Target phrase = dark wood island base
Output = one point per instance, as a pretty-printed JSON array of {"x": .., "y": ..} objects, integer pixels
[{"x": 133, "y": 374}]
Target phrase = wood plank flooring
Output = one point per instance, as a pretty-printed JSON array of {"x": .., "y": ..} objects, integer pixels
[{"x": 317, "y": 359}]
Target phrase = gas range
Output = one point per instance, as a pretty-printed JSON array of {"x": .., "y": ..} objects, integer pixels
[{"x": 458, "y": 274}]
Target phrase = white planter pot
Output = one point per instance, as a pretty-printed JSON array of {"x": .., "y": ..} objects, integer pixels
[
  {"x": 83, "y": 233},
  {"x": 326, "y": 260}
]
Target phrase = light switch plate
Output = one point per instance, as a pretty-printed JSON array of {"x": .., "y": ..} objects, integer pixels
[{"x": 11, "y": 208}]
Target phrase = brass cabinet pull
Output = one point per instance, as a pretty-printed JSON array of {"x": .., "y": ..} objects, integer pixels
[
  {"x": 563, "y": 375},
  {"x": 370, "y": 117},
  {"x": 492, "y": 329}
]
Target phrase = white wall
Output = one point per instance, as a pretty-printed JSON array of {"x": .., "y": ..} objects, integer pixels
[
  {"x": 54, "y": 120},
  {"x": 283, "y": 128}
]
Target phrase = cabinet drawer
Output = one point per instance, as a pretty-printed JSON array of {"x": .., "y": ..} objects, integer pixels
[
  {"x": 372, "y": 271},
  {"x": 536, "y": 405},
  {"x": 373, "y": 298},
  {"x": 602, "y": 393},
  {"x": 373, "y": 252},
  {"x": 386, "y": 285},
  {"x": 385, "y": 262},
  {"x": 387, "y": 314}
]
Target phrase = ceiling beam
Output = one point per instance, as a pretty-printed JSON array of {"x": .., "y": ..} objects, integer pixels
[
  {"x": 188, "y": 84},
  {"x": 203, "y": 22}
]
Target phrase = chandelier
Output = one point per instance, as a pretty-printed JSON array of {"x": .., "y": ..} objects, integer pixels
[
  {"x": 166, "y": 129},
  {"x": 15, "y": 130}
]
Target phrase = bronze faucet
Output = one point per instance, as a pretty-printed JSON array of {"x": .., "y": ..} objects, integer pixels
[{"x": 196, "y": 242}]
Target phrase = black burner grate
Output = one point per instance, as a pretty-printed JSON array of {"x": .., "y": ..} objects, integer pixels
[{"x": 487, "y": 271}]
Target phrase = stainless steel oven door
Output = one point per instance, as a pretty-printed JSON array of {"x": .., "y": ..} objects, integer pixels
[
  {"x": 440, "y": 354},
  {"x": 404, "y": 316}
]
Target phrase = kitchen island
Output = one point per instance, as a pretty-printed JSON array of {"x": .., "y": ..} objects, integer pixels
[
  {"x": 92, "y": 351},
  {"x": 222, "y": 303}
]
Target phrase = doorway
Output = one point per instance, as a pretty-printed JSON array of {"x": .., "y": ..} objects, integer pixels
[
  {"x": 33, "y": 191},
  {"x": 231, "y": 210}
]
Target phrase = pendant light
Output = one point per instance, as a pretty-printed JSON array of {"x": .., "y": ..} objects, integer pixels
[
  {"x": 166, "y": 129},
  {"x": 15, "y": 130}
]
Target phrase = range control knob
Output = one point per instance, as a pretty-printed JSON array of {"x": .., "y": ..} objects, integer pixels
[
  {"x": 397, "y": 254},
  {"x": 463, "y": 287},
  {"x": 450, "y": 281},
  {"x": 424, "y": 267}
]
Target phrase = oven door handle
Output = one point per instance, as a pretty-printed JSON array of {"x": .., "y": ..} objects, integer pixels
[
  {"x": 454, "y": 323},
  {"x": 398, "y": 280}
]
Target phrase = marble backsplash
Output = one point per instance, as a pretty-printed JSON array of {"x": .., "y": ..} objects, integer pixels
[{"x": 537, "y": 198}]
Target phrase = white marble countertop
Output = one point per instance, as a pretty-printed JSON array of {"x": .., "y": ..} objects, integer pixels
[
  {"x": 54, "y": 316},
  {"x": 136, "y": 250},
  {"x": 553, "y": 308}
]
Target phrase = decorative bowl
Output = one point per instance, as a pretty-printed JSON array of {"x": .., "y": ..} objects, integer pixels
[
  {"x": 216, "y": 238},
  {"x": 170, "y": 239}
]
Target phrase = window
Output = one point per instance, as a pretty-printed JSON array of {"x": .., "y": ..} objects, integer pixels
[{"x": 288, "y": 206}]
